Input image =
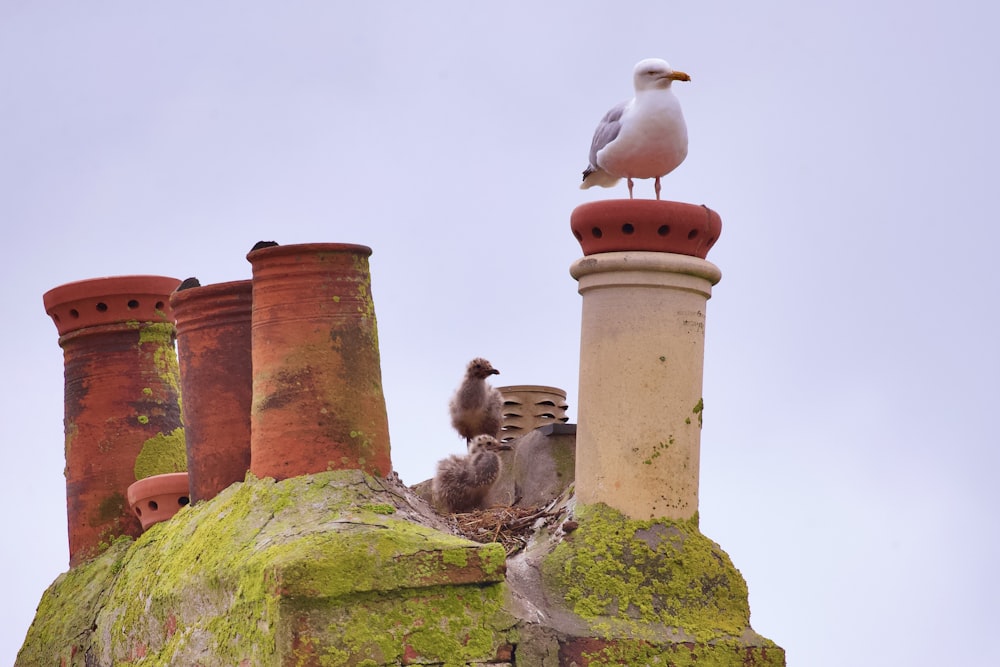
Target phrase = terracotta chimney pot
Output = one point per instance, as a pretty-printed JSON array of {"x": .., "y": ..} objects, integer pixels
[
  {"x": 317, "y": 380},
  {"x": 213, "y": 349},
  {"x": 158, "y": 498},
  {"x": 645, "y": 224},
  {"x": 121, "y": 392}
]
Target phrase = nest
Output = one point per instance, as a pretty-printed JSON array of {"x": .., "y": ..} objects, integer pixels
[{"x": 510, "y": 526}]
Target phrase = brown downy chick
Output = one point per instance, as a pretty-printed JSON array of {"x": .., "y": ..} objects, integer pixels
[
  {"x": 476, "y": 407},
  {"x": 462, "y": 482}
]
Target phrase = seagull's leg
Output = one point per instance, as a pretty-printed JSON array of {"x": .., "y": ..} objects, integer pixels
[
  {"x": 629, "y": 186},
  {"x": 656, "y": 186}
]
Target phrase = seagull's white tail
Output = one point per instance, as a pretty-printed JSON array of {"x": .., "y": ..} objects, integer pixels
[{"x": 592, "y": 177}]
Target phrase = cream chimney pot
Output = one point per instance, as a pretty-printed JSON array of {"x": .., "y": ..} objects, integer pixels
[{"x": 641, "y": 361}]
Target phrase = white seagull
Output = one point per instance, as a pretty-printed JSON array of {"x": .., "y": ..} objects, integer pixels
[{"x": 645, "y": 137}]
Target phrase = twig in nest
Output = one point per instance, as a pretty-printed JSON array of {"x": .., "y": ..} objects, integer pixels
[{"x": 510, "y": 526}]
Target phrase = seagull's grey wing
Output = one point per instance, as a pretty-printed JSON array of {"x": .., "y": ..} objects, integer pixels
[{"x": 607, "y": 130}]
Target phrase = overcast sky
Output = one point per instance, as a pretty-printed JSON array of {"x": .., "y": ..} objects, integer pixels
[{"x": 849, "y": 452}]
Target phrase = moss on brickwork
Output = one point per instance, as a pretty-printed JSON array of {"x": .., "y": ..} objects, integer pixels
[
  {"x": 716, "y": 654},
  {"x": 626, "y": 577},
  {"x": 340, "y": 568},
  {"x": 61, "y": 633},
  {"x": 441, "y": 625},
  {"x": 231, "y": 580}
]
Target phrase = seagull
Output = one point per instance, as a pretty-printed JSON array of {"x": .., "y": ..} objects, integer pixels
[
  {"x": 645, "y": 137},
  {"x": 476, "y": 407},
  {"x": 462, "y": 482}
]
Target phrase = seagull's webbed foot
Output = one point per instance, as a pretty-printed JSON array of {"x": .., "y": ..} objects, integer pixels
[
  {"x": 630, "y": 184},
  {"x": 656, "y": 186}
]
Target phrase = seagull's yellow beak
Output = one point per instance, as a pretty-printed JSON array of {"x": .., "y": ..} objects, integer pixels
[{"x": 679, "y": 76}]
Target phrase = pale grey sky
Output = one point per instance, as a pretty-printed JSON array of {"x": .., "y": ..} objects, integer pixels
[{"x": 848, "y": 453}]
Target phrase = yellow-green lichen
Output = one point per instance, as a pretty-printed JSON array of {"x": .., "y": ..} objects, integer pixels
[
  {"x": 70, "y": 432},
  {"x": 444, "y": 625},
  {"x": 363, "y": 444},
  {"x": 157, "y": 340},
  {"x": 163, "y": 453},
  {"x": 312, "y": 570},
  {"x": 376, "y": 553},
  {"x": 203, "y": 570},
  {"x": 658, "y": 450},
  {"x": 618, "y": 572},
  {"x": 111, "y": 506},
  {"x": 379, "y": 508},
  {"x": 63, "y": 625},
  {"x": 457, "y": 557},
  {"x": 726, "y": 653},
  {"x": 699, "y": 409}
]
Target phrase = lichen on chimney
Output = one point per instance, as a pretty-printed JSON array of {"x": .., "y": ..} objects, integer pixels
[
  {"x": 161, "y": 454},
  {"x": 160, "y": 335},
  {"x": 648, "y": 579}
]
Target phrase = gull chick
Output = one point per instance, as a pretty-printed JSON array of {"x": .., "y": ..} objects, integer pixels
[
  {"x": 645, "y": 137},
  {"x": 462, "y": 482},
  {"x": 476, "y": 407}
]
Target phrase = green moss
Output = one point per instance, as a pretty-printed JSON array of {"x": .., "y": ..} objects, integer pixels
[
  {"x": 698, "y": 409},
  {"x": 310, "y": 570},
  {"x": 157, "y": 340},
  {"x": 446, "y": 625},
  {"x": 111, "y": 506},
  {"x": 623, "y": 575},
  {"x": 658, "y": 450},
  {"x": 375, "y": 553},
  {"x": 70, "y": 432},
  {"x": 379, "y": 508},
  {"x": 201, "y": 569},
  {"x": 162, "y": 454},
  {"x": 63, "y": 625},
  {"x": 494, "y": 559},
  {"x": 719, "y": 654},
  {"x": 456, "y": 557},
  {"x": 323, "y": 570},
  {"x": 363, "y": 444}
]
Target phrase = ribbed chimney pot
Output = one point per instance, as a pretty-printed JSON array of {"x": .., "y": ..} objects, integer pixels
[
  {"x": 121, "y": 397},
  {"x": 213, "y": 350},
  {"x": 317, "y": 380}
]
